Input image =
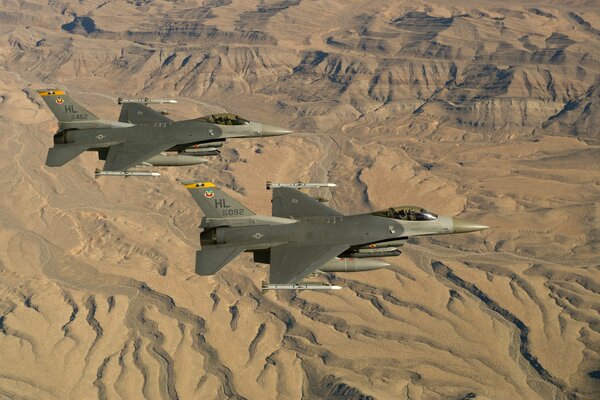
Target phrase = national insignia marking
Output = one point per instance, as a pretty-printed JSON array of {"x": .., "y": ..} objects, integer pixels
[
  {"x": 209, "y": 193},
  {"x": 59, "y": 100}
]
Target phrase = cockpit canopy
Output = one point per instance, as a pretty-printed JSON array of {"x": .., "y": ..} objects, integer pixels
[
  {"x": 407, "y": 213},
  {"x": 224, "y": 119}
]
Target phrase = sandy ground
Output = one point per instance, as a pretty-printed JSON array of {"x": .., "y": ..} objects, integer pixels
[{"x": 485, "y": 110}]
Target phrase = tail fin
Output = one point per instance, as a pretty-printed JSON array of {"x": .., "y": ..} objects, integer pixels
[
  {"x": 211, "y": 259},
  {"x": 215, "y": 203},
  {"x": 64, "y": 108}
]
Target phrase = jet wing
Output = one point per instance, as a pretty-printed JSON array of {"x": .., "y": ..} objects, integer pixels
[
  {"x": 125, "y": 155},
  {"x": 135, "y": 113},
  {"x": 291, "y": 263},
  {"x": 291, "y": 203}
]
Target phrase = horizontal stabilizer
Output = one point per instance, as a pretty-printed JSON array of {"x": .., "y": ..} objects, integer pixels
[
  {"x": 62, "y": 154},
  {"x": 211, "y": 259}
]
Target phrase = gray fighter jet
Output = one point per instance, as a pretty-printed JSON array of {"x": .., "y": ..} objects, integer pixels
[
  {"x": 303, "y": 235},
  {"x": 142, "y": 135}
]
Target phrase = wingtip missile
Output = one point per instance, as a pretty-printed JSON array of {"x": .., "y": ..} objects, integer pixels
[
  {"x": 300, "y": 286},
  {"x": 99, "y": 173},
  {"x": 146, "y": 100},
  {"x": 298, "y": 185}
]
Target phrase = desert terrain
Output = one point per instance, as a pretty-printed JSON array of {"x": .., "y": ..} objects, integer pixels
[{"x": 487, "y": 110}]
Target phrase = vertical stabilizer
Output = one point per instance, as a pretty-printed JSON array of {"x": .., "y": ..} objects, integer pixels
[
  {"x": 64, "y": 108},
  {"x": 215, "y": 203}
]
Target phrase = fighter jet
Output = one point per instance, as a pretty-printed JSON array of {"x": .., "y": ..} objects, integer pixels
[
  {"x": 142, "y": 135},
  {"x": 304, "y": 236}
]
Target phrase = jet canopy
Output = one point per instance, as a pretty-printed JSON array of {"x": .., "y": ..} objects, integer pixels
[
  {"x": 407, "y": 213},
  {"x": 224, "y": 119}
]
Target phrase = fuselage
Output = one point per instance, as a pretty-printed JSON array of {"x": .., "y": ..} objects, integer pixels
[
  {"x": 365, "y": 236},
  {"x": 142, "y": 135},
  {"x": 355, "y": 230},
  {"x": 103, "y": 134},
  {"x": 304, "y": 235}
]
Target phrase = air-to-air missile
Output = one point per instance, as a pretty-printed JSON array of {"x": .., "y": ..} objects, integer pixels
[
  {"x": 304, "y": 236},
  {"x": 142, "y": 136}
]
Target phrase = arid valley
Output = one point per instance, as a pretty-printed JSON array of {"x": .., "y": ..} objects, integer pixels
[{"x": 488, "y": 110}]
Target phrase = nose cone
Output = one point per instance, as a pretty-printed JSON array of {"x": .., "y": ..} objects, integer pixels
[
  {"x": 273, "y": 130},
  {"x": 464, "y": 226}
]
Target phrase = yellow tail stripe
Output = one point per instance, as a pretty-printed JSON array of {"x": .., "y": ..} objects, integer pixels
[
  {"x": 52, "y": 93},
  {"x": 200, "y": 184}
]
